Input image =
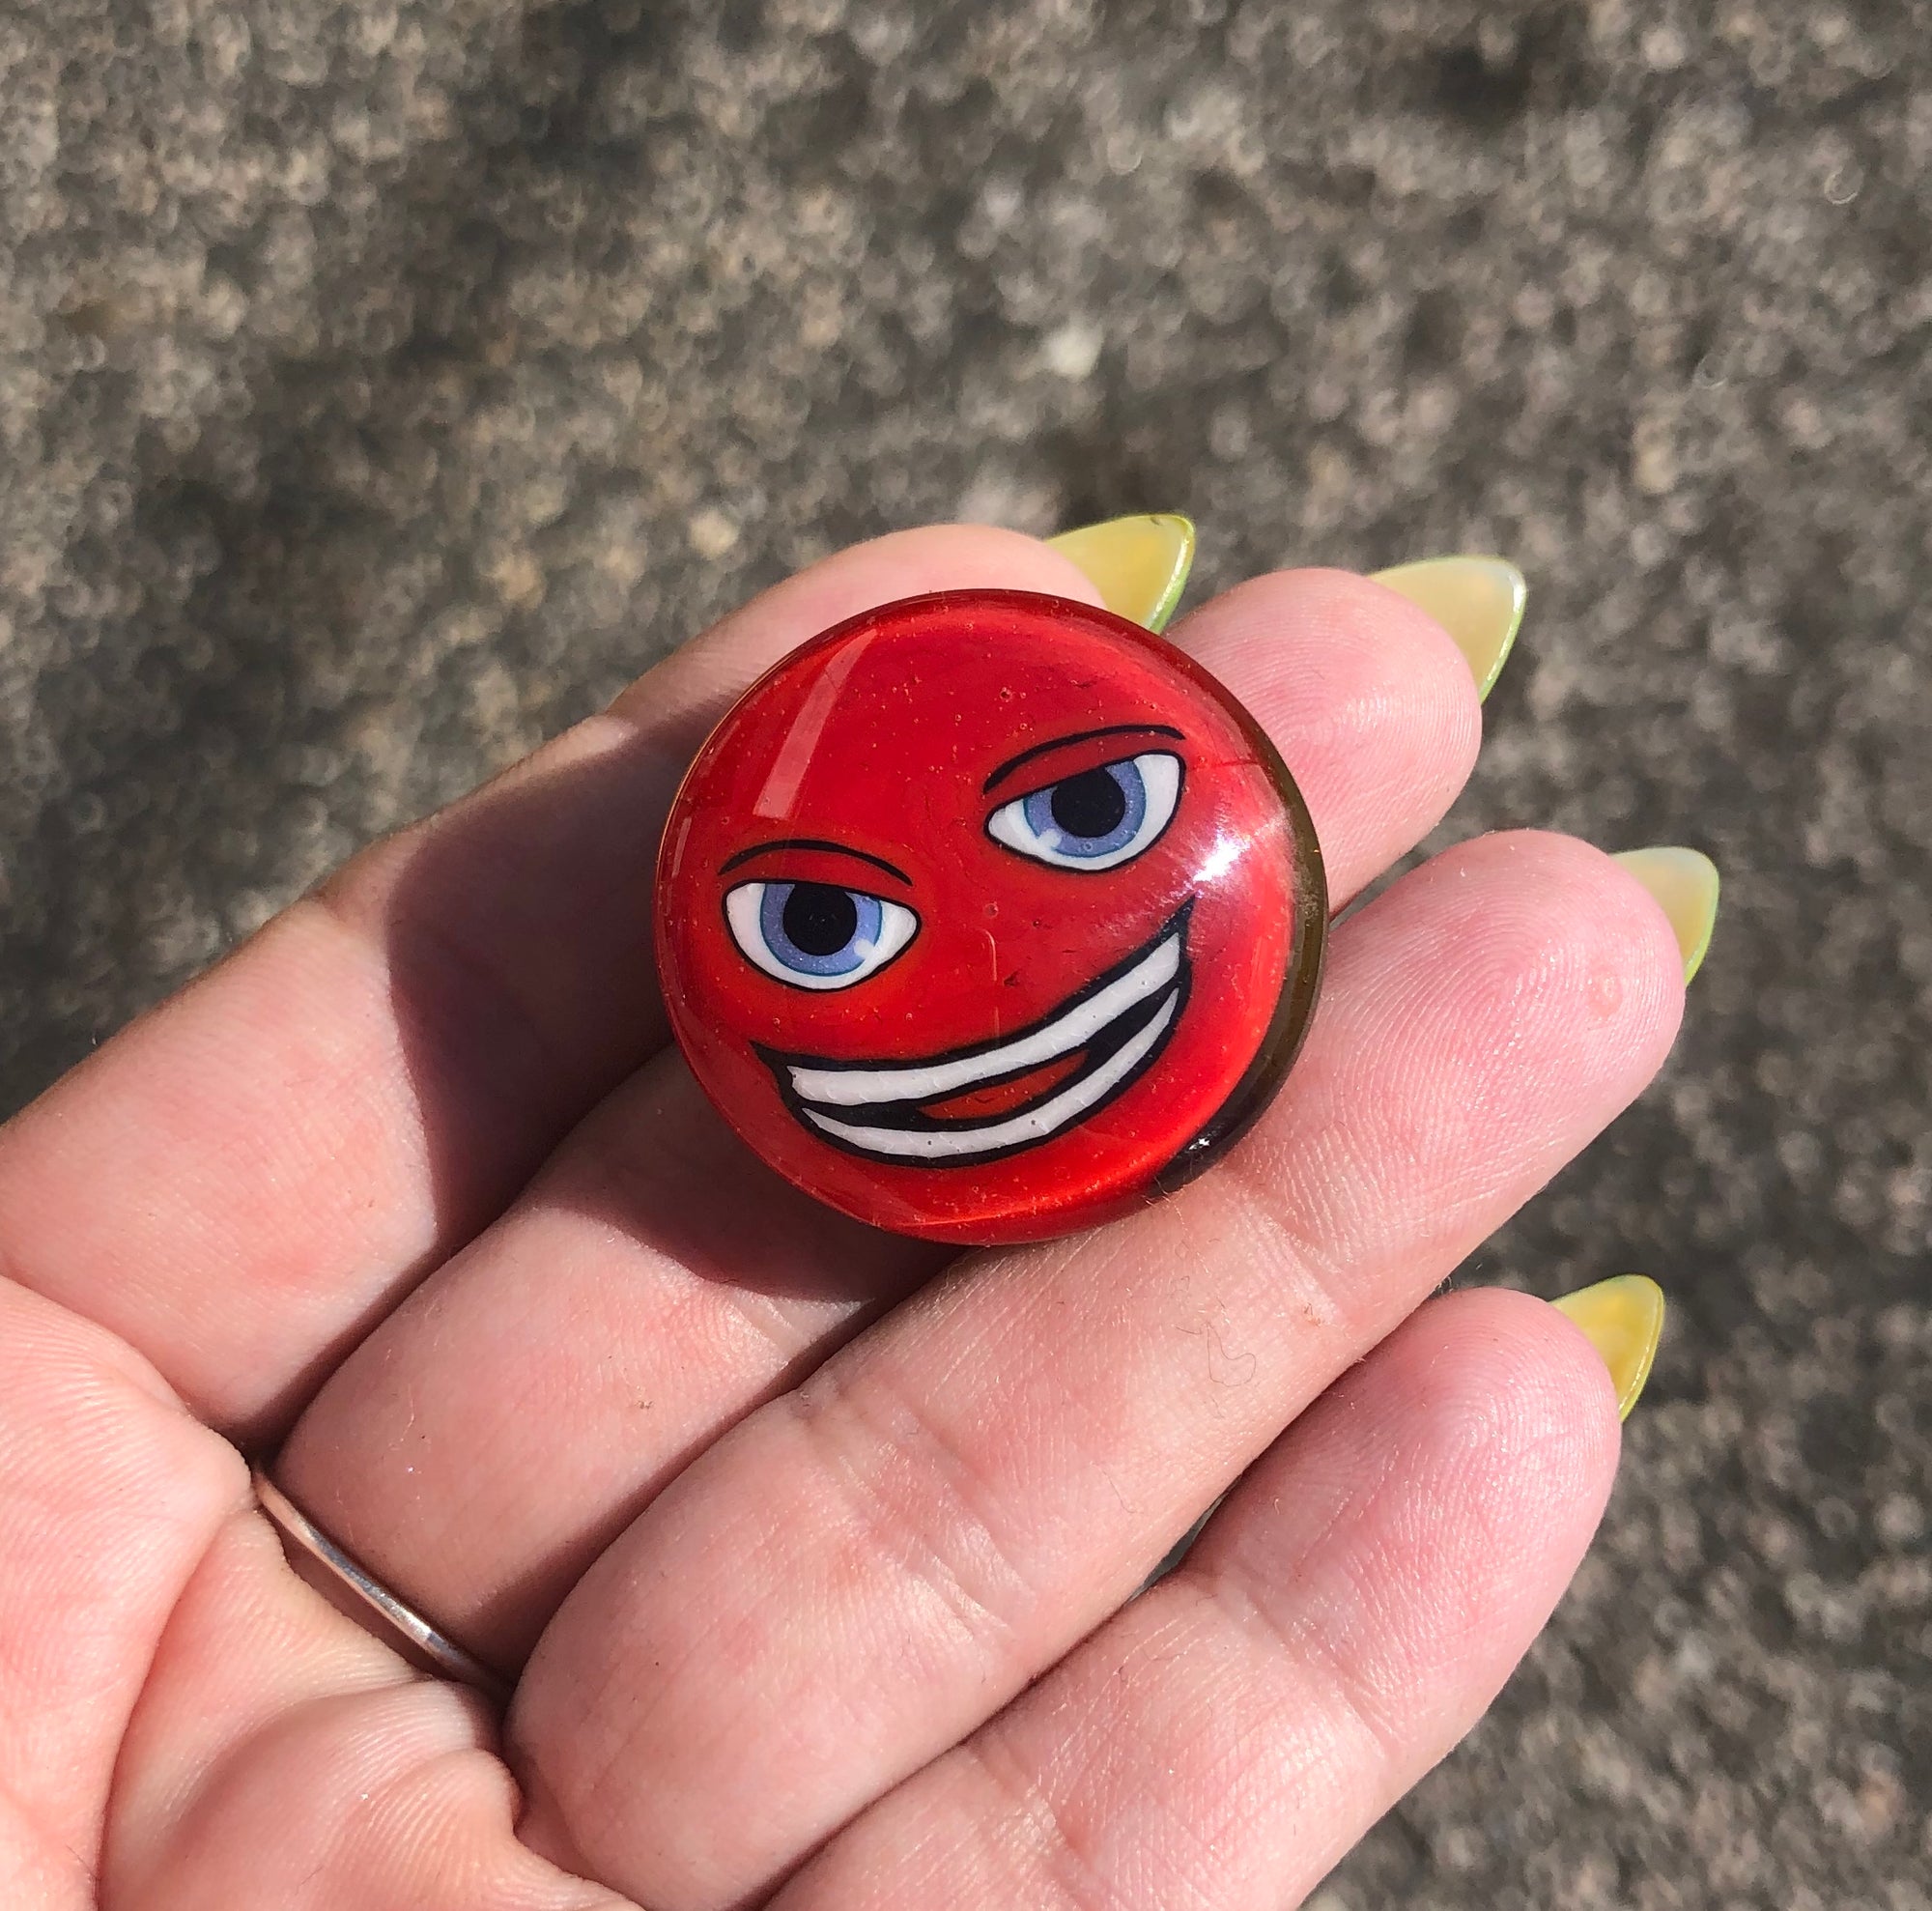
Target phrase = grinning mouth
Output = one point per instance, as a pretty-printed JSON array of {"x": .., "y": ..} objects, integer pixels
[{"x": 994, "y": 1098}]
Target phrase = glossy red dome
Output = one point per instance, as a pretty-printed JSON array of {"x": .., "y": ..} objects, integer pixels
[{"x": 988, "y": 916}]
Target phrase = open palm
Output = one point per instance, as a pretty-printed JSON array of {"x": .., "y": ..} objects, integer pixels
[{"x": 811, "y": 1550}]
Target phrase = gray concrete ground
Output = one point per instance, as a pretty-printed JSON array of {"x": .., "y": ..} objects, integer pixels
[{"x": 382, "y": 385}]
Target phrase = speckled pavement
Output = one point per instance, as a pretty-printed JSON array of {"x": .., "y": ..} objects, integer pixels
[{"x": 382, "y": 385}]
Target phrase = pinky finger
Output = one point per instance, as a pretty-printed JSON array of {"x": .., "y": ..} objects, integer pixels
[{"x": 1346, "y": 1618}]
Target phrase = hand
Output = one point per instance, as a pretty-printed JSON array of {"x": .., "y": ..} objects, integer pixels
[{"x": 813, "y": 1555}]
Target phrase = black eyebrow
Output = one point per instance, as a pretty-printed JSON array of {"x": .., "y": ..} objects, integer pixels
[
  {"x": 1013, "y": 763},
  {"x": 813, "y": 843}
]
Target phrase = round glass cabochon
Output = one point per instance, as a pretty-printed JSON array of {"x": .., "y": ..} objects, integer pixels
[{"x": 988, "y": 916}]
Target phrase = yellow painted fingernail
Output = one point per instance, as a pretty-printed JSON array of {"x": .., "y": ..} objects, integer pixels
[
  {"x": 1685, "y": 881},
  {"x": 1623, "y": 1319},
  {"x": 1478, "y": 601},
  {"x": 1139, "y": 565}
]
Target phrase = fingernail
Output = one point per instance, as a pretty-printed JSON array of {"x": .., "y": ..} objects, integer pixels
[
  {"x": 1623, "y": 1319},
  {"x": 1685, "y": 881},
  {"x": 1139, "y": 565},
  {"x": 1477, "y": 600}
]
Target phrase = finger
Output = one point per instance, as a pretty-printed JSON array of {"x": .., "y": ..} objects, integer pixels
[
  {"x": 280, "y": 1757},
  {"x": 1346, "y": 1617},
  {"x": 495, "y": 1432},
  {"x": 182, "y": 1723},
  {"x": 948, "y": 1506},
  {"x": 109, "y": 1493},
  {"x": 243, "y": 1179}
]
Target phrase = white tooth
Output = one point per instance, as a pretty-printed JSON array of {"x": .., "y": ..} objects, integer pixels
[
  {"x": 859, "y": 1088},
  {"x": 1033, "y": 1125}
]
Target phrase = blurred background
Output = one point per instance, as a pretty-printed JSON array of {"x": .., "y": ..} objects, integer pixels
[{"x": 382, "y": 385}]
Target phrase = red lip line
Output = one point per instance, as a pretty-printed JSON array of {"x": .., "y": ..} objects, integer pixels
[{"x": 1002, "y": 1097}]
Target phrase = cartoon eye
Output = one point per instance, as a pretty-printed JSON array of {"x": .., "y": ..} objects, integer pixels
[
  {"x": 814, "y": 935},
  {"x": 1095, "y": 820}
]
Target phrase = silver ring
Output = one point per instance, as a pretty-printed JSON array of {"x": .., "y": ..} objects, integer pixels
[{"x": 370, "y": 1604}]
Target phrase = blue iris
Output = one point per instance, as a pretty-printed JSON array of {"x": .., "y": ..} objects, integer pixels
[
  {"x": 816, "y": 935},
  {"x": 1091, "y": 814},
  {"x": 1097, "y": 819},
  {"x": 816, "y": 929}
]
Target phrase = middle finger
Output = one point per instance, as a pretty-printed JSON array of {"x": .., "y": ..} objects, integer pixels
[{"x": 657, "y": 1282}]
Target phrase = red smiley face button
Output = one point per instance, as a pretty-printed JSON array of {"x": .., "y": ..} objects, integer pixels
[{"x": 988, "y": 916}]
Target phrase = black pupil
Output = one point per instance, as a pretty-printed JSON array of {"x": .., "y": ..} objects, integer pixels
[
  {"x": 1091, "y": 804},
  {"x": 821, "y": 920}
]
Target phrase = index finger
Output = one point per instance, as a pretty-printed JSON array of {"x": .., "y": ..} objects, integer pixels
[{"x": 242, "y": 1181}]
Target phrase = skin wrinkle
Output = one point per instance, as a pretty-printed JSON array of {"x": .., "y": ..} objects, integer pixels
[
  {"x": 1488, "y": 1092},
  {"x": 1214, "y": 1568},
  {"x": 1340, "y": 1730},
  {"x": 372, "y": 1105},
  {"x": 764, "y": 1317},
  {"x": 232, "y": 1154},
  {"x": 1231, "y": 1736},
  {"x": 179, "y": 1491},
  {"x": 766, "y": 1562},
  {"x": 552, "y": 1838},
  {"x": 686, "y": 1294},
  {"x": 1057, "y": 1856},
  {"x": 1043, "y": 1312},
  {"x": 452, "y": 1721},
  {"x": 1474, "y": 1437},
  {"x": 370, "y": 1671},
  {"x": 1321, "y": 711},
  {"x": 1088, "y": 1733},
  {"x": 603, "y": 1164},
  {"x": 80, "y": 1876},
  {"x": 960, "y": 1558},
  {"x": 1312, "y": 1286},
  {"x": 685, "y": 1307},
  {"x": 687, "y": 1310},
  {"x": 471, "y": 1499},
  {"x": 473, "y": 992},
  {"x": 1175, "y": 1639}
]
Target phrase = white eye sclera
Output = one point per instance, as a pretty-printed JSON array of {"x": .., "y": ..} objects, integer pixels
[
  {"x": 1095, "y": 820},
  {"x": 814, "y": 935}
]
